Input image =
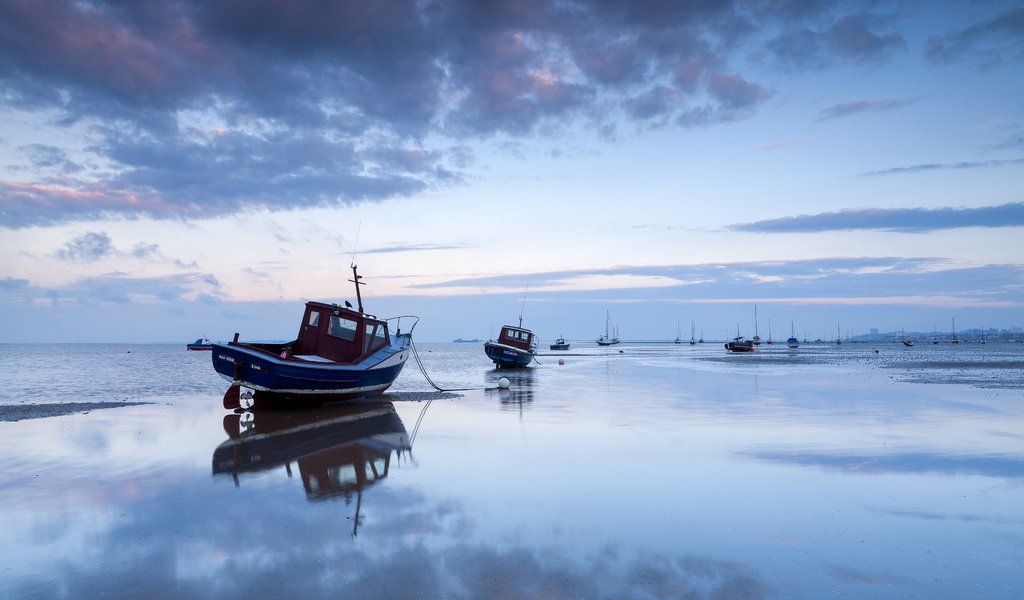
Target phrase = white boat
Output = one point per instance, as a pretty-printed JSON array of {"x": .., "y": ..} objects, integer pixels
[{"x": 608, "y": 339}]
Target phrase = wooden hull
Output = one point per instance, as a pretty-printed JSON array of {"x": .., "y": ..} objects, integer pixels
[{"x": 507, "y": 356}]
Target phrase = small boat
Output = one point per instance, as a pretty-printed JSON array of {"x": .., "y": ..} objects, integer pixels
[
  {"x": 908, "y": 342},
  {"x": 792, "y": 342},
  {"x": 200, "y": 344},
  {"x": 740, "y": 344},
  {"x": 756, "y": 340},
  {"x": 339, "y": 353},
  {"x": 515, "y": 347},
  {"x": 560, "y": 344},
  {"x": 679, "y": 335},
  {"x": 954, "y": 339},
  {"x": 608, "y": 339}
]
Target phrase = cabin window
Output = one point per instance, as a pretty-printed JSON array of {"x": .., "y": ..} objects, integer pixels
[
  {"x": 342, "y": 328},
  {"x": 314, "y": 318},
  {"x": 376, "y": 337}
]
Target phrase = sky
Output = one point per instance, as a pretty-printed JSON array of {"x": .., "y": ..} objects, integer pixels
[{"x": 183, "y": 168}]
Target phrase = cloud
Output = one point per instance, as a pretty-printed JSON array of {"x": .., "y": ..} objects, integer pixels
[
  {"x": 88, "y": 247},
  {"x": 848, "y": 109},
  {"x": 859, "y": 38},
  {"x": 414, "y": 248},
  {"x": 93, "y": 246},
  {"x": 901, "y": 219},
  {"x": 945, "y": 166},
  {"x": 839, "y": 280},
  {"x": 121, "y": 289},
  {"x": 992, "y": 42},
  {"x": 198, "y": 109},
  {"x": 1010, "y": 467}
]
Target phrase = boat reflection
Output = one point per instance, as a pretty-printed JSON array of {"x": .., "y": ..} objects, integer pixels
[
  {"x": 339, "y": 450},
  {"x": 520, "y": 389}
]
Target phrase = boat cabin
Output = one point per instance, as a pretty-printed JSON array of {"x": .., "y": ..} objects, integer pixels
[
  {"x": 517, "y": 337},
  {"x": 333, "y": 333}
]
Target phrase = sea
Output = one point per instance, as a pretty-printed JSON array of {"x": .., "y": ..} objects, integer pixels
[{"x": 640, "y": 470}]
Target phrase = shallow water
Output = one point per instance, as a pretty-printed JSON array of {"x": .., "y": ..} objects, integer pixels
[{"x": 659, "y": 471}]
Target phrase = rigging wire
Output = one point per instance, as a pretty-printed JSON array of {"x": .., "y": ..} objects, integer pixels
[{"x": 419, "y": 363}]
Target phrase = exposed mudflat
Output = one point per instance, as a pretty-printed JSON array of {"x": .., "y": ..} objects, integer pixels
[{"x": 24, "y": 412}]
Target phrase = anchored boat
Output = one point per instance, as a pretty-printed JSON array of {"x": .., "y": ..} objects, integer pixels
[
  {"x": 608, "y": 339},
  {"x": 339, "y": 353},
  {"x": 515, "y": 347},
  {"x": 560, "y": 344},
  {"x": 200, "y": 344}
]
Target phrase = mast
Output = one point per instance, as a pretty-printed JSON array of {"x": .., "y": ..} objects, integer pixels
[{"x": 355, "y": 279}]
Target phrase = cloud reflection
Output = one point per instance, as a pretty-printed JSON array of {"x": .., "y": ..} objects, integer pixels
[{"x": 1010, "y": 467}]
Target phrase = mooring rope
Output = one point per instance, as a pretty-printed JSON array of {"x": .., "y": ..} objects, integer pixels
[{"x": 419, "y": 363}]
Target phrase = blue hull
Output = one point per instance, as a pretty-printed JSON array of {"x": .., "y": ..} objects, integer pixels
[
  {"x": 263, "y": 371},
  {"x": 505, "y": 356}
]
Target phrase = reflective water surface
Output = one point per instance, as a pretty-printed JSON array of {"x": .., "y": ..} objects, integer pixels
[{"x": 660, "y": 471}]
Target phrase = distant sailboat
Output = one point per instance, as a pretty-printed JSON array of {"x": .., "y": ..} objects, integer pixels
[
  {"x": 792, "y": 341},
  {"x": 693, "y": 330},
  {"x": 770, "y": 340},
  {"x": 607, "y": 339},
  {"x": 756, "y": 339},
  {"x": 679, "y": 334},
  {"x": 839, "y": 337},
  {"x": 954, "y": 339}
]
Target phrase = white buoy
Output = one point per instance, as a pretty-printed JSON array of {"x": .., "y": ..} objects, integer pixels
[{"x": 503, "y": 383}]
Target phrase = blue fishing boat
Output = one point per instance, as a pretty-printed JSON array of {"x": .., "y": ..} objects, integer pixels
[
  {"x": 339, "y": 353},
  {"x": 560, "y": 344},
  {"x": 515, "y": 347},
  {"x": 200, "y": 344}
]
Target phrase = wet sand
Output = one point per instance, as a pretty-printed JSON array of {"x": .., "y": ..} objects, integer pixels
[
  {"x": 657, "y": 472},
  {"x": 24, "y": 412}
]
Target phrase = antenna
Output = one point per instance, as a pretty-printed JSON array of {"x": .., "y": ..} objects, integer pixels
[
  {"x": 522, "y": 309},
  {"x": 356, "y": 243}
]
